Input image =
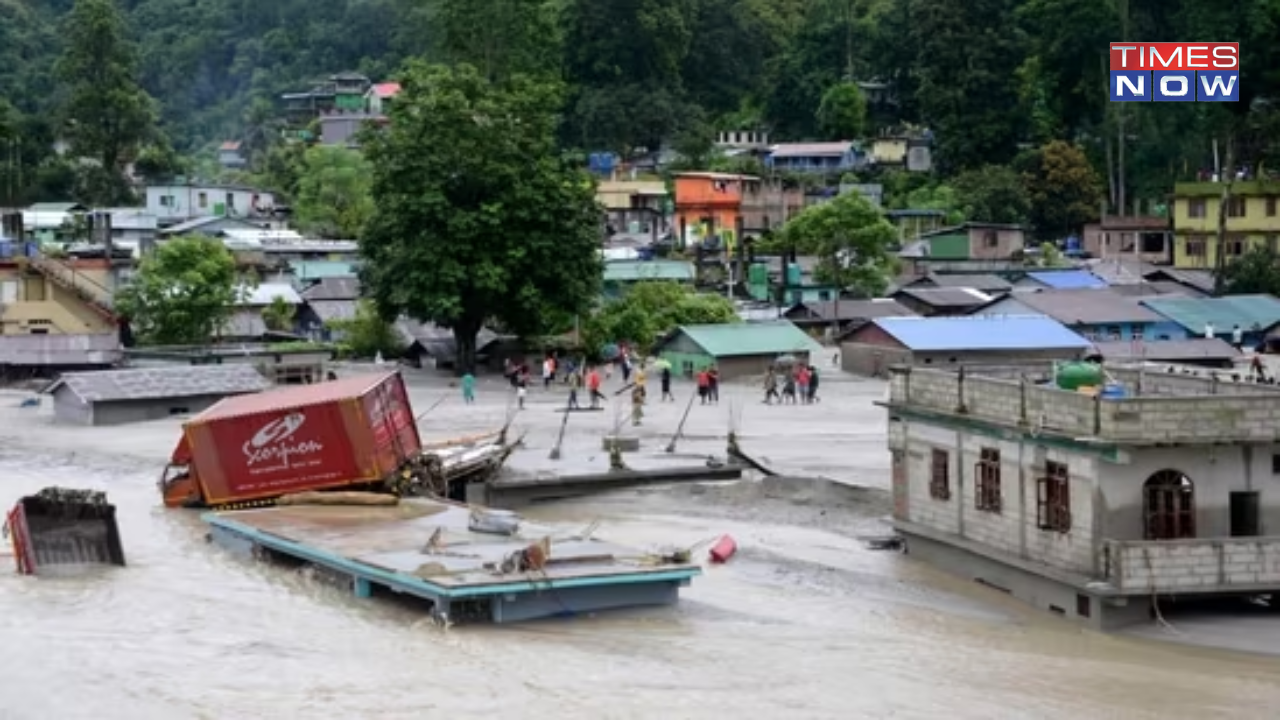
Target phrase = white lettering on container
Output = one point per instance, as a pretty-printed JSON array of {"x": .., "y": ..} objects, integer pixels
[{"x": 273, "y": 446}]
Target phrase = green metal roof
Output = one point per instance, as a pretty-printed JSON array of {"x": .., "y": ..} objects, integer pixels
[
  {"x": 760, "y": 338},
  {"x": 638, "y": 270},
  {"x": 1250, "y": 312},
  {"x": 321, "y": 269}
]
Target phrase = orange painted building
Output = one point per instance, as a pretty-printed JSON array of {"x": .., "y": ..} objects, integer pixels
[{"x": 709, "y": 204}]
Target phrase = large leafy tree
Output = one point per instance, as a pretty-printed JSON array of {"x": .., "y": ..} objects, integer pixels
[
  {"x": 851, "y": 239},
  {"x": 1253, "y": 273},
  {"x": 333, "y": 197},
  {"x": 182, "y": 293},
  {"x": 1063, "y": 188},
  {"x": 107, "y": 115},
  {"x": 500, "y": 37},
  {"x": 650, "y": 309},
  {"x": 477, "y": 217}
]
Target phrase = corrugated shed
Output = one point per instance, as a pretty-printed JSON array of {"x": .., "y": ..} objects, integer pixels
[
  {"x": 328, "y": 310},
  {"x": 946, "y": 297},
  {"x": 1086, "y": 307},
  {"x": 1250, "y": 312},
  {"x": 985, "y": 332},
  {"x": 163, "y": 382},
  {"x": 1067, "y": 279},
  {"x": 759, "y": 338},
  {"x": 333, "y": 288}
]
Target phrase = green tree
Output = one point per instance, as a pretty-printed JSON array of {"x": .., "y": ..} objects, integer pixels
[
  {"x": 107, "y": 114},
  {"x": 182, "y": 293},
  {"x": 1063, "y": 188},
  {"x": 501, "y": 37},
  {"x": 367, "y": 334},
  {"x": 278, "y": 316},
  {"x": 334, "y": 187},
  {"x": 851, "y": 239},
  {"x": 1256, "y": 272},
  {"x": 843, "y": 112},
  {"x": 649, "y": 310},
  {"x": 968, "y": 92},
  {"x": 477, "y": 217},
  {"x": 992, "y": 193}
]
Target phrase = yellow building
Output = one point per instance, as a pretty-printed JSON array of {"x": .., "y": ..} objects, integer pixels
[
  {"x": 1253, "y": 220},
  {"x": 44, "y": 296}
]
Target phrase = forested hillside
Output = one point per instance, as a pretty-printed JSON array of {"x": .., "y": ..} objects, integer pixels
[{"x": 987, "y": 76}]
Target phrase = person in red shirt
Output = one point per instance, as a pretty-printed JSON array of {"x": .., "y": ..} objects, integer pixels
[
  {"x": 704, "y": 385},
  {"x": 802, "y": 380},
  {"x": 593, "y": 386}
]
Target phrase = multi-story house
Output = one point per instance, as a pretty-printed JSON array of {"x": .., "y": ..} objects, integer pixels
[
  {"x": 709, "y": 205},
  {"x": 830, "y": 158},
  {"x": 183, "y": 200},
  {"x": 1253, "y": 220}
]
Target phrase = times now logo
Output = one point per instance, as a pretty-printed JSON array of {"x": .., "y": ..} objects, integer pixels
[{"x": 1175, "y": 72}]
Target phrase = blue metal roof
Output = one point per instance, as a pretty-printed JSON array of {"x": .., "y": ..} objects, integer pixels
[
  {"x": 985, "y": 332},
  {"x": 1067, "y": 279}
]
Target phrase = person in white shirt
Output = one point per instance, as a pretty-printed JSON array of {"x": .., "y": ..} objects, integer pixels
[
  {"x": 1208, "y": 331},
  {"x": 1237, "y": 337}
]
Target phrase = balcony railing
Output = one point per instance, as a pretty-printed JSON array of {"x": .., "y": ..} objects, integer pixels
[{"x": 1193, "y": 566}]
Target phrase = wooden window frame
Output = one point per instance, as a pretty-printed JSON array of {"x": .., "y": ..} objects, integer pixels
[
  {"x": 1196, "y": 208},
  {"x": 986, "y": 488},
  {"x": 1237, "y": 207},
  {"x": 1053, "y": 498},
  {"x": 940, "y": 475},
  {"x": 1271, "y": 206},
  {"x": 1169, "y": 509}
]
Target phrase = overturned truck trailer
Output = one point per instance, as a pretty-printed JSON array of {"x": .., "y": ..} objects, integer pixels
[{"x": 62, "y": 527}]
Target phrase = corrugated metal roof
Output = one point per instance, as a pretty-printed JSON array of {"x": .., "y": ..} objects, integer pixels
[
  {"x": 292, "y": 396},
  {"x": 265, "y": 294},
  {"x": 759, "y": 338},
  {"x": 1083, "y": 307},
  {"x": 323, "y": 269},
  {"x": 333, "y": 288},
  {"x": 981, "y": 332},
  {"x": 1156, "y": 288},
  {"x": 1191, "y": 349},
  {"x": 947, "y": 297},
  {"x": 1067, "y": 279},
  {"x": 162, "y": 382},
  {"x": 245, "y": 324},
  {"x": 1251, "y": 312},
  {"x": 328, "y": 310},
  {"x": 627, "y": 271},
  {"x": 855, "y": 309},
  {"x": 51, "y": 350},
  {"x": 1199, "y": 279},
  {"x": 789, "y": 150},
  {"x": 438, "y": 342},
  {"x": 983, "y": 283}
]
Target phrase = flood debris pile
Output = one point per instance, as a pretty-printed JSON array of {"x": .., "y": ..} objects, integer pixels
[{"x": 63, "y": 527}]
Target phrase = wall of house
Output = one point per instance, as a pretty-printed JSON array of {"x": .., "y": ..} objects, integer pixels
[
  {"x": 1110, "y": 244},
  {"x": 994, "y": 244},
  {"x": 32, "y": 303},
  {"x": 69, "y": 409},
  {"x": 889, "y": 151},
  {"x": 1013, "y": 529},
  {"x": 1149, "y": 332},
  {"x": 191, "y": 201}
]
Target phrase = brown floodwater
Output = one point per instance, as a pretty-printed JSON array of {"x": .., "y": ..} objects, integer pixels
[{"x": 804, "y": 623}]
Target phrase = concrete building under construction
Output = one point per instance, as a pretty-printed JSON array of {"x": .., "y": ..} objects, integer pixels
[{"x": 1098, "y": 507}]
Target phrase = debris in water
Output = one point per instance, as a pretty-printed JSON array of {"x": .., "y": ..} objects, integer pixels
[
  {"x": 62, "y": 526},
  {"x": 724, "y": 549}
]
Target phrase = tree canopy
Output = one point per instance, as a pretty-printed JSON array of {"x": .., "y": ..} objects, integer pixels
[
  {"x": 182, "y": 293},
  {"x": 477, "y": 217},
  {"x": 649, "y": 310},
  {"x": 333, "y": 196},
  {"x": 851, "y": 239}
]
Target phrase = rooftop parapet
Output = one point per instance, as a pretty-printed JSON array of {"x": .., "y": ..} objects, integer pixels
[{"x": 1159, "y": 408}]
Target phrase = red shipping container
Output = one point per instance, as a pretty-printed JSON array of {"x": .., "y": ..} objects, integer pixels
[{"x": 305, "y": 437}]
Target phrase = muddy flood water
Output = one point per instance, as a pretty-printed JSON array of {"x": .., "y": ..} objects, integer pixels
[{"x": 803, "y": 623}]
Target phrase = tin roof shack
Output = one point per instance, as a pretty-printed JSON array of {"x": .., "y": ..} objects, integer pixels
[
  {"x": 948, "y": 302},
  {"x": 983, "y": 283},
  {"x": 1096, "y": 314},
  {"x": 993, "y": 339},
  {"x": 1256, "y": 315},
  {"x": 846, "y": 315},
  {"x": 117, "y": 397},
  {"x": 285, "y": 364},
  {"x": 354, "y": 431},
  {"x": 738, "y": 350},
  {"x": 1088, "y": 505}
]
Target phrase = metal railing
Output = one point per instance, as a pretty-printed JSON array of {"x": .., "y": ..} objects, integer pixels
[{"x": 86, "y": 287}]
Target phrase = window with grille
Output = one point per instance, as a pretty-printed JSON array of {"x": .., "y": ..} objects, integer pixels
[
  {"x": 1053, "y": 498},
  {"x": 987, "y": 475},
  {"x": 1195, "y": 208},
  {"x": 940, "y": 476}
]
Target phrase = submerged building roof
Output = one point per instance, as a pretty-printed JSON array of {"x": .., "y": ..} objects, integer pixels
[
  {"x": 757, "y": 338},
  {"x": 162, "y": 382},
  {"x": 980, "y": 332},
  {"x": 1250, "y": 312},
  {"x": 1067, "y": 279}
]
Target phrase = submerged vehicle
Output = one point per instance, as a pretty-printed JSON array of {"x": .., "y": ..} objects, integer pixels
[
  {"x": 63, "y": 527},
  {"x": 356, "y": 433}
]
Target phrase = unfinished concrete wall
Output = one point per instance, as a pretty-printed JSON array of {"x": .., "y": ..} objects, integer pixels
[
  {"x": 871, "y": 360},
  {"x": 1014, "y": 529},
  {"x": 1194, "y": 566},
  {"x": 1252, "y": 415}
]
